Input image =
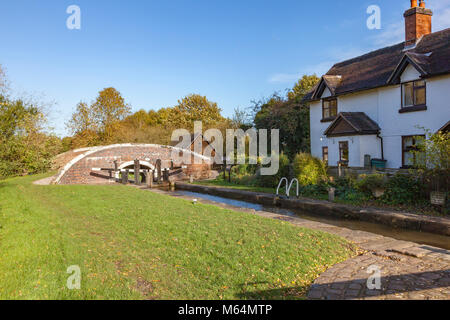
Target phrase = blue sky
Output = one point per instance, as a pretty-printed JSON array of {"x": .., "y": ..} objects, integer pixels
[{"x": 155, "y": 52}]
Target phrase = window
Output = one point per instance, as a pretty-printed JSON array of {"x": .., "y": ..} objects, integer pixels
[
  {"x": 343, "y": 151},
  {"x": 409, "y": 146},
  {"x": 325, "y": 155},
  {"x": 414, "y": 94},
  {"x": 329, "y": 109}
]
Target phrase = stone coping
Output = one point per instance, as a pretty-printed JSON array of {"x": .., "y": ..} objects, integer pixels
[{"x": 436, "y": 225}]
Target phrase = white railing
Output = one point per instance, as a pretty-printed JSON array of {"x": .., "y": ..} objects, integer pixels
[
  {"x": 288, "y": 186},
  {"x": 279, "y": 185}
]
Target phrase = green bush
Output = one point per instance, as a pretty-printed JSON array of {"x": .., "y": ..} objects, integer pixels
[
  {"x": 309, "y": 170},
  {"x": 315, "y": 190},
  {"x": 368, "y": 182},
  {"x": 403, "y": 189},
  {"x": 272, "y": 181}
]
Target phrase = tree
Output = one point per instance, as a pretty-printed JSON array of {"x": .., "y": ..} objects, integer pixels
[
  {"x": 192, "y": 108},
  {"x": 98, "y": 123},
  {"x": 240, "y": 119},
  {"x": 288, "y": 114},
  {"x": 3, "y": 81},
  {"x": 82, "y": 119},
  {"x": 433, "y": 159},
  {"x": 108, "y": 110},
  {"x": 302, "y": 87},
  {"x": 24, "y": 146}
]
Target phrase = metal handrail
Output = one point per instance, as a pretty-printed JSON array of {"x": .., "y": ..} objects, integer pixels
[
  {"x": 279, "y": 185},
  {"x": 290, "y": 186}
]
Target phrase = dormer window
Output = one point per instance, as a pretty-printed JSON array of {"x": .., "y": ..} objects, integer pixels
[
  {"x": 414, "y": 95},
  {"x": 329, "y": 109}
]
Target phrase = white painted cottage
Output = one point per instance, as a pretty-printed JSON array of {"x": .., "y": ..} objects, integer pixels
[{"x": 372, "y": 105}]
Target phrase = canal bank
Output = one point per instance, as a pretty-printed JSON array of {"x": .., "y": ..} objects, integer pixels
[{"x": 408, "y": 221}]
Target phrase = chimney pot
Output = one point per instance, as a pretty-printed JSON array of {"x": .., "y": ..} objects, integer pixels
[
  {"x": 422, "y": 3},
  {"x": 413, "y": 3}
]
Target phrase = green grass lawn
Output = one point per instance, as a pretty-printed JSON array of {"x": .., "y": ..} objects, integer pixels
[{"x": 135, "y": 244}]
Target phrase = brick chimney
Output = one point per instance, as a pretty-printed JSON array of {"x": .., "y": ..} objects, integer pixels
[{"x": 417, "y": 22}]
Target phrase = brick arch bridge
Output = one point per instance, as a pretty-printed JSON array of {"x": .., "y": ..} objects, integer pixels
[{"x": 87, "y": 166}]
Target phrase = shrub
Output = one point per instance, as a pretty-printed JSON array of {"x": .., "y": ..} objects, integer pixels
[
  {"x": 403, "y": 189},
  {"x": 369, "y": 182},
  {"x": 309, "y": 170},
  {"x": 272, "y": 181},
  {"x": 315, "y": 190}
]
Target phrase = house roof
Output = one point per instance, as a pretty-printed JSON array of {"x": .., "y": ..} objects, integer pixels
[
  {"x": 352, "y": 123},
  {"x": 431, "y": 57},
  {"x": 445, "y": 128}
]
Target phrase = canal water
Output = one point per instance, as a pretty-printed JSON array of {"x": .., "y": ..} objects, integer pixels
[{"x": 439, "y": 241}]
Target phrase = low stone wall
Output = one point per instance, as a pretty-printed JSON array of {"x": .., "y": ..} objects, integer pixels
[{"x": 410, "y": 221}]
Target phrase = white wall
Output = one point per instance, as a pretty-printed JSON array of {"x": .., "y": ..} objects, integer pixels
[{"x": 382, "y": 106}]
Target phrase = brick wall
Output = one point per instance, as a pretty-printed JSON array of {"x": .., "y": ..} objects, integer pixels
[{"x": 80, "y": 170}]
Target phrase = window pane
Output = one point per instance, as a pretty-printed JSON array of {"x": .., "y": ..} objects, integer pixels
[
  {"x": 333, "y": 112},
  {"x": 325, "y": 154},
  {"x": 408, "y": 90},
  {"x": 326, "y": 113},
  {"x": 420, "y": 96},
  {"x": 408, "y": 142},
  {"x": 343, "y": 151},
  {"x": 409, "y": 158},
  {"x": 419, "y": 83}
]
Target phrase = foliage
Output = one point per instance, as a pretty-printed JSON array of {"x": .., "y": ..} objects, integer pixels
[
  {"x": 369, "y": 182},
  {"x": 240, "y": 119},
  {"x": 273, "y": 180},
  {"x": 108, "y": 121},
  {"x": 308, "y": 169},
  {"x": 164, "y": 248},
  {"x": 433, "y": 159},
  {"x": 302, "y": 87},
  {"x": 192, "y": 108},
  {"x": 315, "y": 190},
  {"x": 403, "y": 189},
  {"x": 434, "y": 151},
  {"x": 289, "y": 115},
  {"x": 98, "y": 123},
  {"x": 24, "y": 146}
]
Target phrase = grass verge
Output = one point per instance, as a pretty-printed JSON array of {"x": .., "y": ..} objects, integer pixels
[{"x": 135, "y": 244}]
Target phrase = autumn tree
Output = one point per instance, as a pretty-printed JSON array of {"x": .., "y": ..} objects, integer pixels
[
  {"x": 108, "y": 110},
  {"x": 192, "y": 108},
  {"x": 98, "y": 123},
  {"x": 25, "y": 147},
  {"x": 302, "y": 87},
  {"x": 3, "y": 82},
  {"x": 289, "y": 115}
]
